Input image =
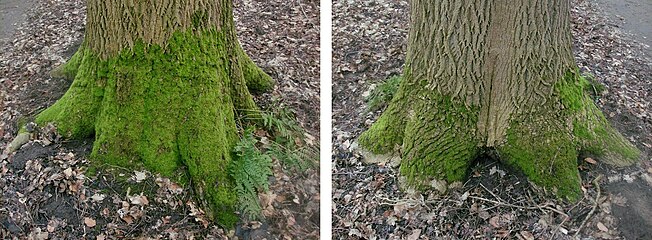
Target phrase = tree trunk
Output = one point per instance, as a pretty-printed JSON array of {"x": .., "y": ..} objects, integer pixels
[
  {"x": 493, "y": 76},
  {"x": 159, "y": 83}
]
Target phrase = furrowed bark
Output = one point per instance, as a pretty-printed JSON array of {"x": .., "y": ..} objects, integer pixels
[
  {"x": 483, "y": 75},
  {"x": 159, "y": 84}
]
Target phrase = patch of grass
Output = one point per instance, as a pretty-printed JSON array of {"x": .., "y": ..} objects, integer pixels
[{"x": 383, "y": 93}]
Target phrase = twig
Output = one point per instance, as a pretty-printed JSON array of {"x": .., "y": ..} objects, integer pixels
[
  {"x": 490, "y": 192},
  {"x": 521, "y": 207},
  {"x": 597, "y": 199},
  {"x": 351, "y": 173},
  {"x": 559, "y": 227}
]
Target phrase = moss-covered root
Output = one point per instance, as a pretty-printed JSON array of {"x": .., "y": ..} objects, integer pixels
[
  {"x": 542, "y": 147},
  {"x": 76, "y": 111},
  {"x": 257, "y": 80},
  {"x": 595, "y": 135},
  {"x": 439, "y": 142},
  {"x": 69, "y": 69},
  {"x": 386, "y": 134},
  {"x": 164, "y": 109}
]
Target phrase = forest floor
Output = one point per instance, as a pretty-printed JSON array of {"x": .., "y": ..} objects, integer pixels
[
  {"x": 369, "y": 45},
  {"x": 45, "y": 192}
]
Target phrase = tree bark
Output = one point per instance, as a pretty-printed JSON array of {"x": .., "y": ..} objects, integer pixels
[
  {"x": 159, "y": 84},
  {"x": 494, "y": 76}
]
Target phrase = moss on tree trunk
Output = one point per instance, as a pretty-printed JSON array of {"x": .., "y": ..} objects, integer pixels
[
  {"x": 493, "y": 76},
  {"x": 165, "y": 98}
]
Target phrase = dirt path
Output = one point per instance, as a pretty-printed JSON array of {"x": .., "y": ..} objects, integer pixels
[
  {"x": 632, "y": 16},
  {"x": 11, "y": 13}
]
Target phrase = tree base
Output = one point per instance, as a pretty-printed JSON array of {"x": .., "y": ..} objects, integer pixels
[
  {"x": 437, "y": 140},
  {"x": 164, "y": 108}
]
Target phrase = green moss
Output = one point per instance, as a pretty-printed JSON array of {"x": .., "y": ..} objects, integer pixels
[
  {"x": 545, "y": 145},
  {"x": 70, "y": 68},
  {"x": 256, "y": 79},
  {"x": 163, "y": 109},
  {"x": 76, "y": 111},
  {"x": 542, "y": 148},
  {"x": 440, "y": 141},
  {"x": 385, "y": 135},
  {"x": 591, "y": 130}
]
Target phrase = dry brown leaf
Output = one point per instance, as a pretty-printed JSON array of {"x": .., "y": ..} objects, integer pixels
[
  {"x": 291, "y": 221},
  {"x": 139, "y": 200},
  {"x": 68, "y": 172},
  {"x": 527, "y": 235},
  {"x": 494, "y": 221},
  {"x": 415, "y": 234},
  {"x": 602, "y": 227},
  {"x": 89, "y": 222},
  {"x": 590, "y": 160},
  {"x": 128, "y": 219}
]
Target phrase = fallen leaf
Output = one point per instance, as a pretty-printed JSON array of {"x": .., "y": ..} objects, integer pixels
[
  {"x": 291, "y": 221},
  {"x": 98, "y": 197},
  {"x": 415, "y": 234},
  {"x": 602, "y": 227},
  {"x": 527, "y": 235},
  {"x": 494, "y": 221},
  {"x": 140, "y": 176},
  {"x": 590, "y": 160},
  {"x": 139, "y": 200},
  {"x": 89, "y": 222},
  {"x": 128, "y": 219},
  {"x": 68, "y": 172},
  {"x": 100, "y": 237}
]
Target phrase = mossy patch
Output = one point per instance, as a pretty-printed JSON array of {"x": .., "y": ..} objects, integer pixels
[
  {"x": 541, "y": 146},
  {"x": 164, "y": 108},
  {"x": 592, "y": 132},
  {"x": 440, "y": 140}
]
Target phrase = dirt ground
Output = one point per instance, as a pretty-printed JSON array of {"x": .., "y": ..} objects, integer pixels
[
  {"x": 369, "y": 44},
  {"x": 633, "y": 16},
  {"x": 45, "y": 191}
]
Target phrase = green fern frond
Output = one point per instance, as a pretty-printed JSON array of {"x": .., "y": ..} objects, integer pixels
[{"x": 250, "y": 170}]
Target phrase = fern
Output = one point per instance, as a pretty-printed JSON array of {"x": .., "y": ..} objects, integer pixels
[
  {"x": 286, "y": 132},
  {"x": 250, "y": 170},
  {"x": 298, "y": 158}
]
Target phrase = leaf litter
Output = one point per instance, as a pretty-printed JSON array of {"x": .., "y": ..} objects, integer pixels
[
  {"x": 369, "y": 45},
  {"x": 46, "y": 192}
]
